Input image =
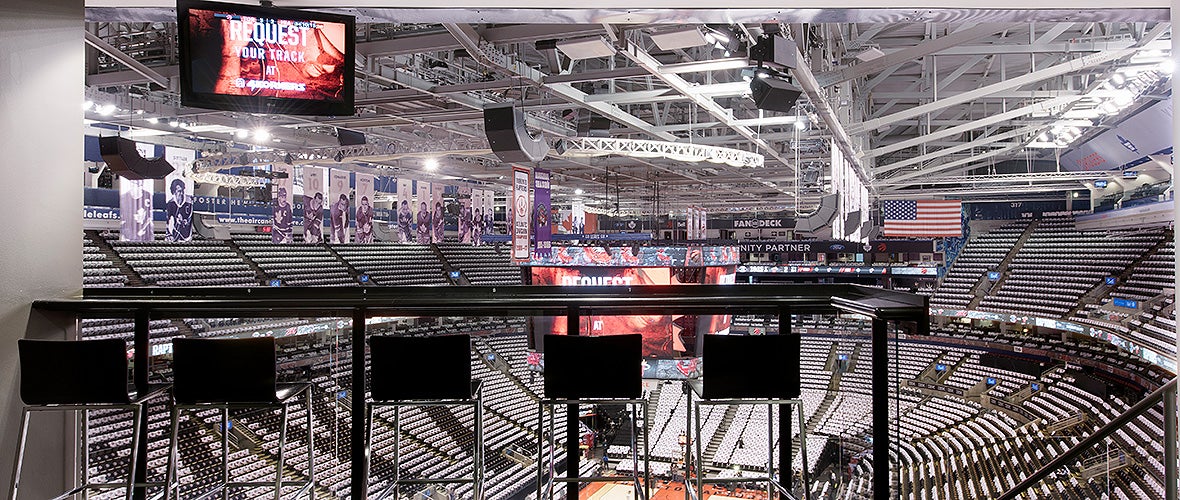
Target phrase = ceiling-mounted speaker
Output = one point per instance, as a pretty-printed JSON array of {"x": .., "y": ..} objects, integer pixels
[
  {"x": 775, "y": 51},
  {"x": 125, "y": 161},
  {"x": 504, "y": 125},
  {"x": 774, "y": 94},
  {"x": 349, "y": 138},
  {"x": 591, "y": 124}
]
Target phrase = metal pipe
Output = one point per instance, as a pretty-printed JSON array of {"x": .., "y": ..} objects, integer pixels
[
  {"x": 360, "y": 473},
  {"x": 880, "y": 396},
  {"x": 1084, "y": 445},
  {"x": 1170, "y": 444},
  {"x": 574, "y": 327}
]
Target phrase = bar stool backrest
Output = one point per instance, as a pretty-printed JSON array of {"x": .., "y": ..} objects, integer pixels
[
  {"x": 751, "y": 366},
  {"x": 420, "y": 368},
  {"x": 601, "y": 367},
  {"x": 73, "y": 371},
  {"x": 224, "y": 370}
]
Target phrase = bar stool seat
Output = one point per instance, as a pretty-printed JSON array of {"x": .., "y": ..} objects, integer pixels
[
  {"x": 229, "y": 374},
  {"x": 78, "y": 375},
  {"x": 568, "y": 383},
  {"x": 745, "y": 370},
  {"x": 424, "y": 371}
]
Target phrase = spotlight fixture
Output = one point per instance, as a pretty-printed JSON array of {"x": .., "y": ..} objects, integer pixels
[
  {"x": 430, "y": 164},
  {"x": 261, "y": 134},
  {"x": 174, "y": 123},
  {"x": 578, "y": 191},
  {"x": 339, "y": 156},
  {"x": 153, "y": 120},
  {"x": 242, "y": 133}
]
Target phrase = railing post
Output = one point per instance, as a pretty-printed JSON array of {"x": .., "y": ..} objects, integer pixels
[
  {"x": 142, "y": 347},
  {"x": 1170, "y": 444},
  {"x": 360, "y": 473},
  {"x": 880, "y": 391},
  {"x": 574, "y": 327},
  {"x": 784, "y": 416}
]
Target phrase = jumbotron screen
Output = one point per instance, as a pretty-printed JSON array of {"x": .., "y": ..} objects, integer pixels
[
  {"x": 671, "y": 338},
  {"x": 265, "y": 60}
]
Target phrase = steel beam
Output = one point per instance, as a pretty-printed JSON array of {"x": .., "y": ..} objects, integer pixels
[
  {"x": 982, "y": 141},
  {"x": 852, "y": 72},
  {"x": 1041, "y": 106},
  {"x": 124, "y": 59},
  {"x": 1012, "y": 83}
]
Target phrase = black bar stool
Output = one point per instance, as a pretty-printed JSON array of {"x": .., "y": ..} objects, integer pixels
[
  {"x": 230, "y": 374},
  {"x": 81, "y": 375},
  {"x": 568, "y": 382},
  {"x": 424, "y": 371},
  {"x": 746, "y": 370}
]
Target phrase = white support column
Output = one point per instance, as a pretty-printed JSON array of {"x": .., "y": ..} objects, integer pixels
[{"x": 42, "y": 72}]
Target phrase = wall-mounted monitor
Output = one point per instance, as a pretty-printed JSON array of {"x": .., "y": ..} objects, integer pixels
[{"x": 265, "y": 60}]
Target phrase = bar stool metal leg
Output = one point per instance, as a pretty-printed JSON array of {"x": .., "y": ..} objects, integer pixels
[
  {"x": 225, "y": 452},
  {"x": 20, "y": 452},
  {"x": 310, "y": 450},
  {"x": 170, "y": 480},
  {"x": 136, "y": 425},
  {"x": 282, "y": 456}
]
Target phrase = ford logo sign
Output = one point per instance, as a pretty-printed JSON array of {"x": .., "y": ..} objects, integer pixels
[{"x": 836, "y": 247}]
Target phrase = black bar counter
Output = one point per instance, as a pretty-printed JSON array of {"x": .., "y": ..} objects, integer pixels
[{"x": 783, "y": 300}]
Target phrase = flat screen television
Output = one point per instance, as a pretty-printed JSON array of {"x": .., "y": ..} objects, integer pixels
[{"x": 265, "y": 60}]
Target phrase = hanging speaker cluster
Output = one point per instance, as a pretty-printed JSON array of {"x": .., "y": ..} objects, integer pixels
[
  {"x": 504, "y": 126},
  {"x": 125, "y": 161},
  {"x": 774, "y": 93}
]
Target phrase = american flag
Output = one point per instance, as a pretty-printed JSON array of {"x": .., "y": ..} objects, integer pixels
[{"x": 922, "y": 218}]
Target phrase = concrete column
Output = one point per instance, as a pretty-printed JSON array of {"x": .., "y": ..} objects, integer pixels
[{"x": 42, "y": 70}]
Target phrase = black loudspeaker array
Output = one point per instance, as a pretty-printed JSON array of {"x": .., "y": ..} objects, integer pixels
[
  {"x": 349, "y": 138},
  {"x": 125, "y": 161},
  {"x": 774, "y": 94},
  {"x": 504, "y": 126}
]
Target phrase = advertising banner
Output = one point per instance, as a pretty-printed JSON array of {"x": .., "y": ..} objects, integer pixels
[
  {"x": 436, "y": 214},
  {"x": 520, "y": 214},
  {"x": 489, "y": 212},
  {"x": 463, "y": 198},
  {"x": 179, "y": 208},
  {"x": 542, "y": 225},
  {"x": 477, "y": 211},
  {"x": 315, "y": 193},
  {"x": 702, "y": 232},
  {"x": 405, "y": 211},
  {"x": 267, "y": 57},
  {"x": 340, "y": 206},
  {"x": 366, "y": 193},
  {"x": 135, "y": 210},
  {"x": 281, "y": 193},
  {"x": 423, "y": 215},
  {"x": 1147, "y": 132}
]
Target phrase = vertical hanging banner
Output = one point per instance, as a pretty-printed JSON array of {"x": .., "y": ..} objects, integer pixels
[
  {"x": 463, "y": 197},
  {"x": 423, "y": 226},
  {"x": 542, "y": 225},
  {"x": 575, "y": 222},
  {"x": 405, "y": 211},
  {"x": 702, "y": 229},
  {"x": 315, "y": 191},
  {"x": 520, "y": 214},
  {"x": 489, "y": 211},
  {"x": 135, "y": 210},
  {"x": 477, "y": 216},
  {"x": 280, "y": 196},
  {"x": 339, "y": 208},
  {"x": 436, "y": 214},
  {"x": 180, "y": 194},
  {"x": 366, "y": 193},
  {"x": 179, "y": 207}
]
